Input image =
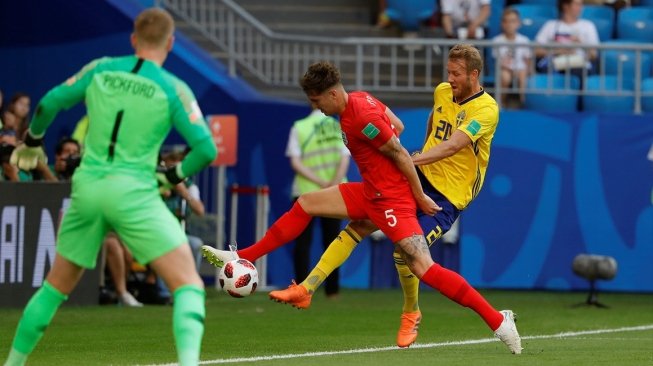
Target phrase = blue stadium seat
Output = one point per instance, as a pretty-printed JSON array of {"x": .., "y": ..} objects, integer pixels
[
  {"x": 540, "y": 2},
  {"x": 623, "y": 61},
  {"x": 647, "y": 101},
  {"x": 494, "y": 29},
  {"x": 603, "y": 18},
  {"x": 552, "y": 102},
  {"x": 635, "y": 24},
  {"x": 410, "y": 14},
  {"x": 597, "y": 11},
  {"x": 494, "y": 21},
  {"x": 606, "y": 103},
  {"x": 533, "y": 17},
  {"x": 489, "y": 63}
]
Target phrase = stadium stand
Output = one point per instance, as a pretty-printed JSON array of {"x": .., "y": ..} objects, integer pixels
[
  {"x": 410, "y": 14},
  {"x": 494, "y": 21},
  {"x": 647, "y": 101},
  {"x": 623, "y": 62},
  {"x": 551, "y": 3},
  {"x": 548, "y": 93},
  {"x": 635, "y": 24},
  {"x": 605, "y": 103},
  {"x": 533, "y": 16},
  {"x": 602, "y": 17}
]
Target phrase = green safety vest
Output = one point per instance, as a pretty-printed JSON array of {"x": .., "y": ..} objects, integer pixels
[{"x": 320, "y": 141}]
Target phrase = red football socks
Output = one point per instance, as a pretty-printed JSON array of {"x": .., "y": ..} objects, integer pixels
[
  {"x": 455, "y": 287},
  {"x": 285, "y": 229}
]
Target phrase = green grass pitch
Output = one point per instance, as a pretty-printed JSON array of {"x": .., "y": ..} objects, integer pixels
[{"x": 358, "y": 328}]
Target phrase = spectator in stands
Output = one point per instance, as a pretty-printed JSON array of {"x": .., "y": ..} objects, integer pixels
[
  {"x": 465, "y": 19},
  {"x": 9, "y": 121},
  {"x": 19, "y": 106},
  {"x": 1, "y": 125},
  {"x": 66, "y": 158},
  {"x": 568, "y": 29},
  {"x": 383, "y": 20},
  {"x": 515, "y": 60},
  {"x": 7, "y": 145},
  {"x": 119, "y": 261},
  {"x": 320, "y": 159},
  {"x": 183, "y": 200}
]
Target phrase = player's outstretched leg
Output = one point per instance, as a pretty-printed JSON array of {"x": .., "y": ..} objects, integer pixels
[
  {"x": 455, "y": 287},
  {"x": 285, "y": 229},
  {"x": 218, "y": 257},
  {"x": 295, "y": 295},
  {"x": 507, "y": 332}
]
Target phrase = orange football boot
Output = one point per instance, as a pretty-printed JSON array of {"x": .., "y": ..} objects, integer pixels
[
  {"x": 408, "y": 329},
  {"x": 295, "y": 295}
]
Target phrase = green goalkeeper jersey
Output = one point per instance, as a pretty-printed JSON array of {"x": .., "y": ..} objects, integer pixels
[{"x": 132, "y": 104}]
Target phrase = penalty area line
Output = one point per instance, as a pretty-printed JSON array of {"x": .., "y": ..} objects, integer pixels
[{"x": 417, "y": 345}]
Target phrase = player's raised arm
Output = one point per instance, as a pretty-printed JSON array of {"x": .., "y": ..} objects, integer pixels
[
  {"x": 29, "y": 154},
  {"x": 62, "y": 96}
]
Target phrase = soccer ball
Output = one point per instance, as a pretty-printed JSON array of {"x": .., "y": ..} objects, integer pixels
[{"x": 239, "y": 278}]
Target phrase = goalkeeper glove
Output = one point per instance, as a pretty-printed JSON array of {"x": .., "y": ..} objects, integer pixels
[
  {"x": 28, "y": 154},
  {"x": 168, "y": 177}
]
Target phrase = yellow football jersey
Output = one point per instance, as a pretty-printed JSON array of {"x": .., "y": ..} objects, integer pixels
[{"x": 460, "y": 176}]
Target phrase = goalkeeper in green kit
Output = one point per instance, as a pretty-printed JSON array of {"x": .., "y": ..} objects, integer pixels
[{"x": 132, "y": 104}]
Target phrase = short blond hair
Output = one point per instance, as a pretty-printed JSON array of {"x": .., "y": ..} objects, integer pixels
[
  {"x": 469, "y": 54},
  {"x": 153, "y": 27}
]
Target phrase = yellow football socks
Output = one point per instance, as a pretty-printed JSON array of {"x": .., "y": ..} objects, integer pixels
[
  {"x": 409, "y": 284},
  {"x": 335, "y": 255}
]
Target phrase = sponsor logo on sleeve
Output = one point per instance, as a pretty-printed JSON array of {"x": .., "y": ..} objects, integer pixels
[
  {"x": 473, "y": 127},
  {"x": 195, "y": 112},
  {"x": 71, "y": 80},
  {"x": 370, "y": 131}
]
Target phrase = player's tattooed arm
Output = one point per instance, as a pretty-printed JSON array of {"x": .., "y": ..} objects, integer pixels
[{"x": 399, "y": 155}]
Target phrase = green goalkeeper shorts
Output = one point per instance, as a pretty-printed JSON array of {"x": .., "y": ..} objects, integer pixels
[{"x": 129, "y": 205}]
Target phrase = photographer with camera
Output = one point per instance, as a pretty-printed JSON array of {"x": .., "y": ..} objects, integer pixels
[
  {"x": 7, "y": 145},
  {"x": 66, "y": 158},
  {"x": 10, "y": 172}
]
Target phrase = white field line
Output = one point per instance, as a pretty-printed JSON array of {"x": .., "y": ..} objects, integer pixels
[{"x": 417, "y": 345}]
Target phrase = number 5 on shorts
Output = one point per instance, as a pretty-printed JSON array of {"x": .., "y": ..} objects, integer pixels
[{"x": 392, "y": 219}]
